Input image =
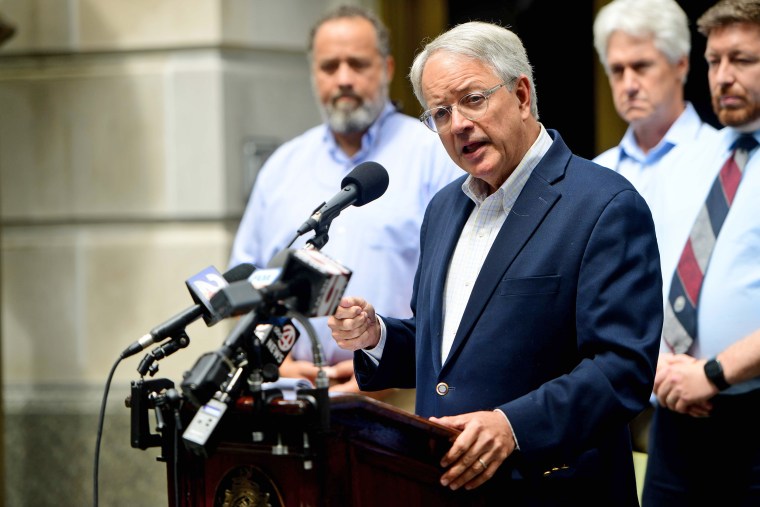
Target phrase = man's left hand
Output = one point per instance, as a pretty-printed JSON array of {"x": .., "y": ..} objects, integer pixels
[{"x": 485, "y": 441}]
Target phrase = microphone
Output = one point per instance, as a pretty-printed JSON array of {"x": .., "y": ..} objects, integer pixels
[
  {"x": 277, "y": 337},
  {"x": 309, "y": 282},
  {"x": 365, "y": 183},
  {"x": 213, "y": 369},
  {"x": 202, "y": 286},
  {"x": 212, "y": 382}
]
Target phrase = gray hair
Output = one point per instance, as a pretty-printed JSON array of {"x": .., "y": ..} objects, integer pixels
[
  {"x": 727, "y": 12},
  {"x": 495, "y": 46},
  {"x": 663, "y": 20},
  {"x": 354, "y": 11}
]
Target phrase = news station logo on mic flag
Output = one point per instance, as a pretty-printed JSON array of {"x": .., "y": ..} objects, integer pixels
[
  {"x": 309, "y": 283},
  {"x": 264, "y": 277},
  {"x": 202, "y": 287},
  {"x": 329, "y": 287},
  {"x": 277, "y": 337},
  {"x": 288, "y": 337}
]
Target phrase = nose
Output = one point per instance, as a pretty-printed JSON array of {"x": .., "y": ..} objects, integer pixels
[
  {"x": 345, "y": 75},
  {"x": 459, "y": 122},
  {"x": 630, "y": 80},
  {"x": 723, "y": 72}
]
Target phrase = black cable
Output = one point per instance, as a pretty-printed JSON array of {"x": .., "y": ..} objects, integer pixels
[
  {"x": 100, "y": 433},
  {"x": 175, "y": 475}
]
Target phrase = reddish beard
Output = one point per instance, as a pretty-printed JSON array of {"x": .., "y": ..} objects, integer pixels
[{"x": 736, "y": 116}]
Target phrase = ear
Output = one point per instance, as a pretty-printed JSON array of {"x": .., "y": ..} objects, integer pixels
[
  {"x": 683, "y": 68},
  {"x": 390, "y": 67},
  {"x": 522, "y": 93}
]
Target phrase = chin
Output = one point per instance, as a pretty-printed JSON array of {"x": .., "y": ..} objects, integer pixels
[
  {"x": 636, "y": 116},
  {"x": 734, "y": 117}
]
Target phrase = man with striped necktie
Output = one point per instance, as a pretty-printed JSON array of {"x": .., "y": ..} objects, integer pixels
[{"x": 704, "y": 446}]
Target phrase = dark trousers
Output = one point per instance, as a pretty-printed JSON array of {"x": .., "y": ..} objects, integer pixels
[{"x": 705, "y": 461}]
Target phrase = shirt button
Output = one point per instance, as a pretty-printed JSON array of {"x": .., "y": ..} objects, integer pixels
[
  {"x": 442, "y": 389},
  {"x": 679, "y": 304}
]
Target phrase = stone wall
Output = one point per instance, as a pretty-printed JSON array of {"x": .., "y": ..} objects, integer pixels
[{"x": 130, "y": 134}]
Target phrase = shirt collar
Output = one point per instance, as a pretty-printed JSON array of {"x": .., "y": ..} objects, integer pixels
[
  {"x": 369, "y": 139},
  {"x": 683, "y": 129},
  {"x": 731, "y": 134}
]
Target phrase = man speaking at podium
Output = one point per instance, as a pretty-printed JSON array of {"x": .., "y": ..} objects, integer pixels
[
  {"x": 537, "y": 299},
  {"x": 351, "y": 67}
]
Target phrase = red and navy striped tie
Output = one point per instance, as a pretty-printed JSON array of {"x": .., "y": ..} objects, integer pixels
[{"x": 680, "y": 327}]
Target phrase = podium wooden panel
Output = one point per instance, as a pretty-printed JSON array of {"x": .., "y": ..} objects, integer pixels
[{"x": 373, "y": 454}]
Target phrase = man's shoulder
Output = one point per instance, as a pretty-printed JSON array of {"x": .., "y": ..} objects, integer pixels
[
  {"x": 313, "y": 135},
  {"x": 301, "y": 144},
  {"x": 608, "y": 158},
  {"x": 406, "y": 127},
  {"x": 562, "y": 165},
  {"x": 698, "y": 150},
  {"x": 588, "y": 179},
  {"x": 449, "y": 191}
]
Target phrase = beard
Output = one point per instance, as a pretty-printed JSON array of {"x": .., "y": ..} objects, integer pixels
[
  {"x": 348, "y": 117},
  {"x": 737, "y": 116}
]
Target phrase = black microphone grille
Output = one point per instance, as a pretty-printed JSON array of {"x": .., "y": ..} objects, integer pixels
[
  {"x": 239, "y": 272},
  {"x": 371, "y": 180}
]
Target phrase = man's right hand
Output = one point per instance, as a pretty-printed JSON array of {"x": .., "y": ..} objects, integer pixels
[{"x": 354, "y": 325}]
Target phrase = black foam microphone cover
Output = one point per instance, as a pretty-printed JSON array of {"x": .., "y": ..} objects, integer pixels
[{"x": 371, "y": 180}]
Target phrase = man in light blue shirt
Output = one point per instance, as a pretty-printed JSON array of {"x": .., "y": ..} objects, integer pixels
[
  {"x": 644, "y": 47},
  {"x": 351, "y": 70},
  {"x": 729, "y": 306},
  {"x": 708, "y": 452}
]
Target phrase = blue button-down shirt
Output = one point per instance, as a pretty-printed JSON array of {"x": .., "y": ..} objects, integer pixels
[
  {"x": 640, "y": 168},
  {"x": 379, "y": 241}
]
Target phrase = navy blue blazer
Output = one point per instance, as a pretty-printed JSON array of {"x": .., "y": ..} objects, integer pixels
[{"x": 561, "y": 331}]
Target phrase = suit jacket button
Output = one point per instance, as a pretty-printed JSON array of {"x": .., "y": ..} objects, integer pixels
[{"x": 442, "y": 389}]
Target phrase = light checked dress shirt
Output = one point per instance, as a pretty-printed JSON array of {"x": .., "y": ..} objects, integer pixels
[{"x": 476, "y": 240}]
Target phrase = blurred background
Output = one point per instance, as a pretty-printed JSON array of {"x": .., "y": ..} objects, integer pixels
[{"x": 131, "y": 132}]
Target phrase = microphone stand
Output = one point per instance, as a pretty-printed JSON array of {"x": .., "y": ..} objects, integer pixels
[{"x": 322, "y": 383}]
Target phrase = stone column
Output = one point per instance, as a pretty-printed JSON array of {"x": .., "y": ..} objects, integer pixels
[{"x": 130, "y": 134}]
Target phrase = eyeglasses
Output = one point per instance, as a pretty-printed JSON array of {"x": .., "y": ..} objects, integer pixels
[{"x": 472, "y": 106}]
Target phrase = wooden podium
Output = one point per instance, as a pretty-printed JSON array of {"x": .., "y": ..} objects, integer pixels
[{"x": 372, "y": 454}]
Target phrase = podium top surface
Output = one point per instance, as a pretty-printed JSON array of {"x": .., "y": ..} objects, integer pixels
[{"x": 360, "y": 406}]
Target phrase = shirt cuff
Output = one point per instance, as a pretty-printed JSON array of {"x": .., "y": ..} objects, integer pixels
[
  {"x": 514, "y": 437},
  {"x": 376, "y": 353}
]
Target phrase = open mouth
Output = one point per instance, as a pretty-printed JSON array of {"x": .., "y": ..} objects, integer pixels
[
  {"x": 346, "y": 101},
  {"x": 471, "y": 148}
]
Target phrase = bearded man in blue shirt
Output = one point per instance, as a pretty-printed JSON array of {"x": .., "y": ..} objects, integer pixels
[{"x": 351, "y": 66}]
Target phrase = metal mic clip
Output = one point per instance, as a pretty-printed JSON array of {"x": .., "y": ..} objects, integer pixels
[{"x": 167, "y": 348}]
